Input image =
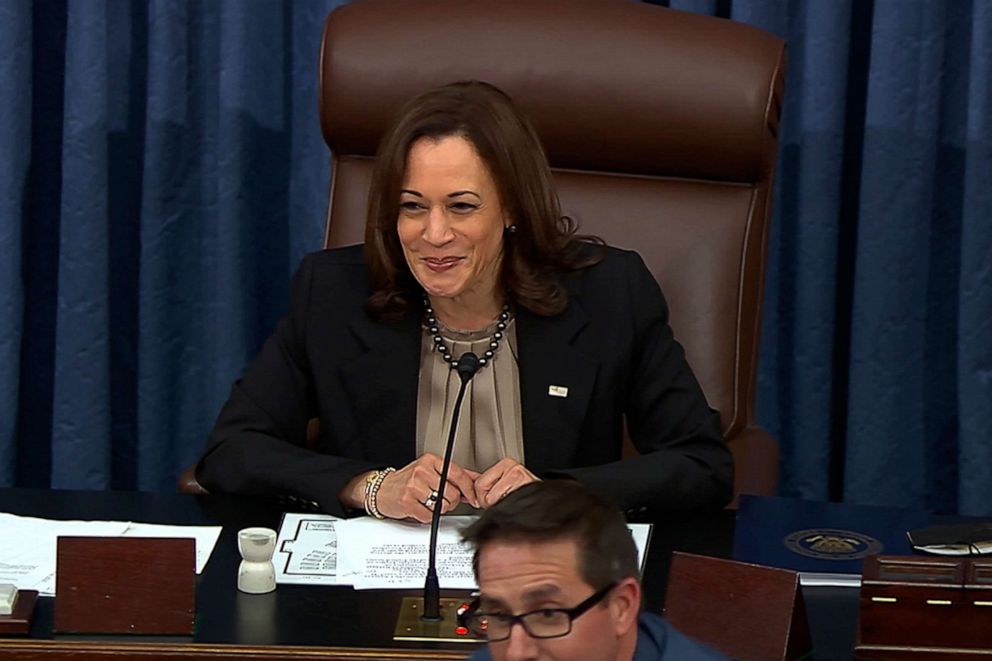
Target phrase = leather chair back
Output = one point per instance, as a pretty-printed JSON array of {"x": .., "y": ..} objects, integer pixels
[{"x": 660, "y": 126}]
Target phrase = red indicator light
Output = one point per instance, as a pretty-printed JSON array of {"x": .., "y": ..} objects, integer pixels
[{"x": 461, "y": 631}]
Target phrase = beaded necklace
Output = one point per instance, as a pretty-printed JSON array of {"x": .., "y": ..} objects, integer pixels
[{"x": 440, "y": 347}]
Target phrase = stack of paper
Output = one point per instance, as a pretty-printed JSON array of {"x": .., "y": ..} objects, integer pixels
[
  {"x": 27, "y": 555},
  {"x": 318, "y": 549},
  {"x": 971, "y": 538}
]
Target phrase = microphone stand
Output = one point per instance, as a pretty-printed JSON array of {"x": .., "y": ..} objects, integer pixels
[
  {"x": 467, "y": 366},
  {"x": 427, "y": 622}
]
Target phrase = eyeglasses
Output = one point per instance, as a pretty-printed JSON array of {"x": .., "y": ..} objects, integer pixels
[{"x": 541, "y": 623}]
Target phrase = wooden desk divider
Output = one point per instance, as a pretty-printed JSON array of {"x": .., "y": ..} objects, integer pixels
[
  {"x": 137, "y": 585},
  {"x": 18, "y": 622},
  {"x": 925, "y": 607},
  {"x": 744, "y": 610}
]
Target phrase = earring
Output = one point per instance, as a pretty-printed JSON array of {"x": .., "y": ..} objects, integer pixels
[{"x": 512, "y": 229}]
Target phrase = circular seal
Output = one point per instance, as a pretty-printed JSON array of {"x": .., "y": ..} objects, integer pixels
[{"x": 832, "y": 544}]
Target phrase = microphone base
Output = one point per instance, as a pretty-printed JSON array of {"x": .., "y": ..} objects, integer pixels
[{"x": 409, "y": 626}]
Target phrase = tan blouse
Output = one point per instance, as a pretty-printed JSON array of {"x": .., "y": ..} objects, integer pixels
[{"x": 489, "y": 425}]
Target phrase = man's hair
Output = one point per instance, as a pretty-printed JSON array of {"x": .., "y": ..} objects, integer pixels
[
  {"x": 562, "y": 509},
  {"x": 544, "y": 245}
]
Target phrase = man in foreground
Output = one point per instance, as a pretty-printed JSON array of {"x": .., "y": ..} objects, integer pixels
[{"x": 558, "y": 579}]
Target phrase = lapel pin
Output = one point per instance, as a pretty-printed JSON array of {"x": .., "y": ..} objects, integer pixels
[{"x": 557, "y": 391}]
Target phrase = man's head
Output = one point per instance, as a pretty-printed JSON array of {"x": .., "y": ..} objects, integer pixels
[{"x": 549, "y": 547}]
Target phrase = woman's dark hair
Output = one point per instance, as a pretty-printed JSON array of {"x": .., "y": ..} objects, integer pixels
[{"x": 535, "y": 257}]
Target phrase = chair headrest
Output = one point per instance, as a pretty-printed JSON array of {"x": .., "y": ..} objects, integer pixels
[{"x": 611, "y": 86}]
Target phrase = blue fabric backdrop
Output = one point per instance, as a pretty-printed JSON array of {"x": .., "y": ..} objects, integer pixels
[{"x": 162, "y": 172}]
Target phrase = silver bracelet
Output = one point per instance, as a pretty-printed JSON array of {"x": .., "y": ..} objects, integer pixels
[{"x": 372, "y": 484}]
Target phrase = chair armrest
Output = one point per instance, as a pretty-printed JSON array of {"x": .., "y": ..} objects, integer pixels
[
  {"x": 188, "y": 483},
  {"x": 755, "y": 462}
]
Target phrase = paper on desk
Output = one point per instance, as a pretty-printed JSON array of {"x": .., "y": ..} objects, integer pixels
[
  {"x": 204, "y": 536},
  {"x": 393, "y": 554},
  {"x": 28, "y": 552},
  {"x": 27, "y": 558},
  {"x": 319, "y": 549},
  {"x": 306, "y": 549}
]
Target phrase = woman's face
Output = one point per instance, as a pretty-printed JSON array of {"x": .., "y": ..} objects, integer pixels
[{"x": 451, "y": 222}]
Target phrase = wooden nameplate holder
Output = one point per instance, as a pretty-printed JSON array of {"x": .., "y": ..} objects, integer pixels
[
  {"x": 916, "y": 607},
  {"x": 18, "y": 620},
  {"x": 130, "y": 585},
  {"x": 744, "y": 610}
]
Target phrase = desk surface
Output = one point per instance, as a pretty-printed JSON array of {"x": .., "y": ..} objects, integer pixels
[{"x": 336, "y": 622}]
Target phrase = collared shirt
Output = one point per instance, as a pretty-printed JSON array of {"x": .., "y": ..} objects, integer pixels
[{"x": 657, "y": 640}]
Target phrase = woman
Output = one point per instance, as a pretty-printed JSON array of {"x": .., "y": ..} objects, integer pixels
[{"x": 466, "y": 249}]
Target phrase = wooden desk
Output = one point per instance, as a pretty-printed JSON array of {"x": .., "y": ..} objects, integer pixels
[{"x": 302, "y": 622}]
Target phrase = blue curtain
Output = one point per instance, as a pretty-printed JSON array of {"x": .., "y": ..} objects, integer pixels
[
  {"x": 876, "y": 370},
  {"x": 162, "y": 173}
]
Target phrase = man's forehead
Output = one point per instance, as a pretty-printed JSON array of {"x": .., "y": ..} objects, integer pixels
[{"x": 516, "y": 569}]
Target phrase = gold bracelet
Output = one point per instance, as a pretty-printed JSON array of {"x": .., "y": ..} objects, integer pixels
[{"x": 372, "y": 483}]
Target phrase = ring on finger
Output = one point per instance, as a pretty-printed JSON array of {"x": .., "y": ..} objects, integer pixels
[{"x": 431, "y": 500}]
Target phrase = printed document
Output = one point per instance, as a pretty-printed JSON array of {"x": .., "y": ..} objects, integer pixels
[
  {"x": 28, "y": 552},
  {"x": 319, "y": 549},
  {"x": 306, "y": 549}
]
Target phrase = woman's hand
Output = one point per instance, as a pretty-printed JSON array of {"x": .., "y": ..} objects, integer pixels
[
  {"x": 404, "y": 494},
  {"x": 501, "y": 478}
]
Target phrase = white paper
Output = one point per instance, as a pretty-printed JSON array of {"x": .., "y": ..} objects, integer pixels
[
  {"x": 28, "y": 552},
  {"x": 976, "y": 548},
  {"x": 319, "y": 549},
  {"x": 204, "y": 536},
  {"x": 27, "y": 556},
  {"x": 306, "y": 549},
  {"x": 8, "y": 595},
  {"x": 393, "y": 554},
  {"x": 641, "y": 532}
]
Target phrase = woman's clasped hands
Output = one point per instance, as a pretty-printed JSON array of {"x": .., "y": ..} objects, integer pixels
[{"x": 410, "y": 492}]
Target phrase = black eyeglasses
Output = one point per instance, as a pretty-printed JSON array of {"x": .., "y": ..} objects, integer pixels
[{"x": 541, "y": 623}]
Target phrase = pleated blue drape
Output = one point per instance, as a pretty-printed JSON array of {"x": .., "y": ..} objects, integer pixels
[
  {"x": 15, "y": 142},
  {"x": 162, "y": 173},
  {"x": 877, "y": 345}
]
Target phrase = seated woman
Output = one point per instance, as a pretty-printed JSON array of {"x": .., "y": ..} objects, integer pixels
[{"x": 466, "y": 248}]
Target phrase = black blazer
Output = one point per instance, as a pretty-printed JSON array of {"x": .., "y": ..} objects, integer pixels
[{"x": 612, "y": 348}]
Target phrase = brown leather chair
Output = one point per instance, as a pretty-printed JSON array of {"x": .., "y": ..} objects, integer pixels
[{"x": 661, "y": 127}]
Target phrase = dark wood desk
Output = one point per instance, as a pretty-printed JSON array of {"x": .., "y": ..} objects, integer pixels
[{"x": 332, "y": 622}]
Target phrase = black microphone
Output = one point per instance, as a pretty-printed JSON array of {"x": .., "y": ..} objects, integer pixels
[{"x": 467, "y": 366}]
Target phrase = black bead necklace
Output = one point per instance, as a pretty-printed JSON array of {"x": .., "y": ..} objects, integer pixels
[{"x": 439, "y": 346}]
